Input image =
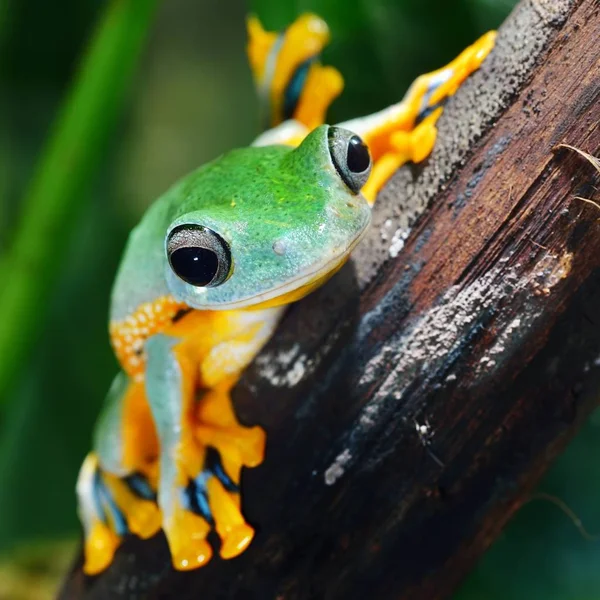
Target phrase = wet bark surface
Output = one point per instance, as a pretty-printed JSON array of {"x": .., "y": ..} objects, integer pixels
[{"x": 413, "y": 403}]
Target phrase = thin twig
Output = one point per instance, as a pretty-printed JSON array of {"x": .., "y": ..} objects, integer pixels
[{"x": 569, "y": 512}]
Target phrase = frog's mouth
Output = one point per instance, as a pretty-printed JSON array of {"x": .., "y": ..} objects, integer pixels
[{"x": 298, "y": 287}]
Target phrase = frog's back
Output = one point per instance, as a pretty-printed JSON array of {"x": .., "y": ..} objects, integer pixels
[{"x": 214, "y": 187}]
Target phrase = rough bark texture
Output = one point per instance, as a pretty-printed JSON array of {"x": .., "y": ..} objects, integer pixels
[{"x": 413, "y": 402}]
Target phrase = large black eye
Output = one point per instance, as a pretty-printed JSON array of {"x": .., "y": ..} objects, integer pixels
[
  {"x": 199, "y": 256},
  {"x": 350, "y": 157}
]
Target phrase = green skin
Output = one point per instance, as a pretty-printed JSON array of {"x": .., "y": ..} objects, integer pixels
[
  {"x": 289, "y": 219},
  {"x": 253, "y": 197}
]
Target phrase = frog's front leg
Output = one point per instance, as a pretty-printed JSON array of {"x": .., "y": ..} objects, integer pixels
[
  {"x": 407, "y": 131},
  {"x": 202, "y": 446},
  {"x": 171, "y": 384}
]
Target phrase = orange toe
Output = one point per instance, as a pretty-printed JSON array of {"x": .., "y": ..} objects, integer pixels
[
  {"x": 236, "y": 541},
  {"x": 100, "y": 547},
  {"x": 196, "y": 554}
]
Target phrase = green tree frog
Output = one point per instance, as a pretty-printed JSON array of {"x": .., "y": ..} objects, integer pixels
[{"x": 206, "y": 277}]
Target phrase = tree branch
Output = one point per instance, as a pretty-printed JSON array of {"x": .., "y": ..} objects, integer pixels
[{"x": 413, "y": 403}]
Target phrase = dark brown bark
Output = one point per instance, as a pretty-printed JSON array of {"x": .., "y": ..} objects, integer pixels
[{"x": 412, "y": 404}]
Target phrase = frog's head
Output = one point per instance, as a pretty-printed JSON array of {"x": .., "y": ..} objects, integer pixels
[{"x": 266, "y": 225}]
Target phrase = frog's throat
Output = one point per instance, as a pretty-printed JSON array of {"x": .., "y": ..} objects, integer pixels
[
  {"x": 298, "y": 287},
  {"x": 303, "y": 290}
]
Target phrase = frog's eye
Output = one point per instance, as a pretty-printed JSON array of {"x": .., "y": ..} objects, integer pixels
[
  {"x": 350, "y": 157},
  {"x": 199, "y": 256}
]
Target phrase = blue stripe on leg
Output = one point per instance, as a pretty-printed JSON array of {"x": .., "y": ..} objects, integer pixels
[
  {"x": 293, "y": 90},
  {"x": 96, "y": 495},
  {"x": 109, "y": 506},
  {"x": 195, "y": 498},
  {"x": 213, "y": 464},
  {"x": 195, "y": 495},
  {"x": 425, "y": 109},
  {"x": 139, "y": 485}
]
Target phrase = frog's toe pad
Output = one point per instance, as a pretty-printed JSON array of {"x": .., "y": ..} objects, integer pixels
[
  {"x": 236, "y": 540},
  {"x": 482, "y": 47},
  {"x": 192, "y": 557},
  {"x": 100, "y": 546},
  {"x": 210, "y": 501},
  {"x": 187, "y": 533}
]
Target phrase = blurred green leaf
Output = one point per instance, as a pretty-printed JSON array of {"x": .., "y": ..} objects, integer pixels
[
  {"x": 180, "y": 115},
  {"x": 46, "y": 428},
  {"x": 62, "y": 179},
  {"x": 4, "y": 22}
]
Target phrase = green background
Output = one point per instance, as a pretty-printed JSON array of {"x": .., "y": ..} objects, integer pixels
[{"x": 191, "y": 98}]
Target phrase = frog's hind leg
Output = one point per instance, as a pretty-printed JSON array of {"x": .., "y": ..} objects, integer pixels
[
  {"x": 115, "y": 492},
  {"x": 407, "y": 131},
  {"x": 110, "y": 507},
  {"x": 102, "y": 537},
  {"x": 290, "y": 81},
  {"x": 229, "y": 447},
  {"x": 215, "y": 497}
]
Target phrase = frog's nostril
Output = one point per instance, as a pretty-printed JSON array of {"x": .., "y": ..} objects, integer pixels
[{"x": 279, "y": 247}]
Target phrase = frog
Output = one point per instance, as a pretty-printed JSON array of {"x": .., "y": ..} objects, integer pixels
[{"x": 206, "y": 277}]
